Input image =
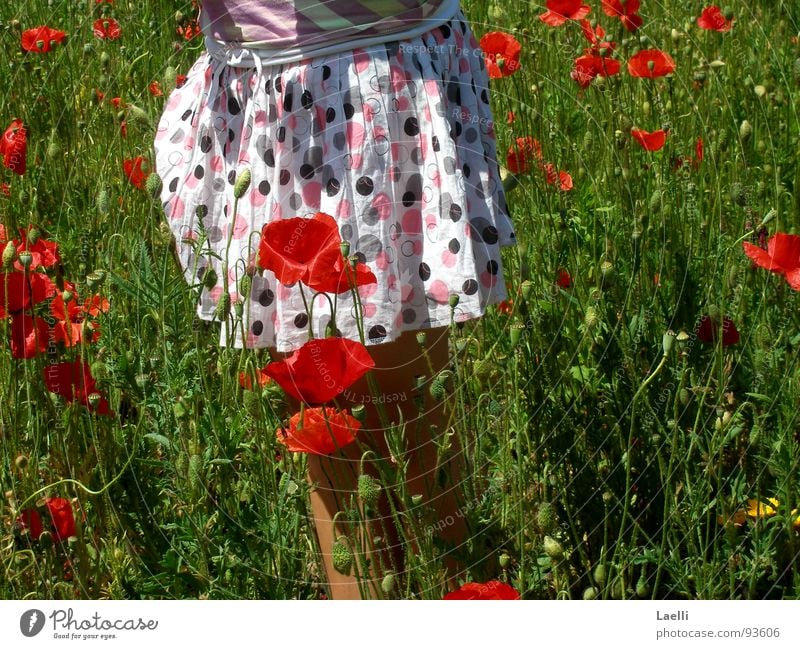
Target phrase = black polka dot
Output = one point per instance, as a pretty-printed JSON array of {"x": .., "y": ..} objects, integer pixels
[
  {"x": 424, "y": 271},
  {"x": 266, "y": 297},
  {"x": 285, "y": 176},
  {"x": 233, "y": 106},
  {"x": 445, "y": 31},
  {"x": 186, "y": 115},
  {"x": 231, "y": 135},
  {"x": 489, "y": 234},
  {"x": 280, "y": 134},
  {"x": 466, "y": 169},
  {"x": 364, "y": 186},
  {"x": 492, "y": 266},
  {"x": 349, "y": 111},
  {"x": 205, "y": 144},
  {"x": 456, "y": 212},
  {"x": 326, "y": 72},
  {"x": 287, "y": 102},
  {"x": 173, "y": 184},
  {"x": 269, "y": 158},
  {"x": 278, "y": 84},
  {"x": 263, "y": 188},
  {"x": 435, "y": 143},
  {"x": 267, "y": 85},
  {"x": 330, "y": 114},
  {"x": 454, "y": 246},
  {"x": 484, "y": 96},
  {"x": 257, "y": 328},
  {"x": 409, "y": 198},
  {"x": 232, "y": 177},
  {"x": 332, "y": 188},
  {"x": 411, "y": 126},
  {"x": 409, "y": 315},
  {"x": 301, "y": 320},
  {"x": 470, "y": 287},
  {"x": 306, "y": 99},
  {"x": 376, "y": 332},
  {"x": 199, "y": 172},
  {"x": 307, "y": 171}
]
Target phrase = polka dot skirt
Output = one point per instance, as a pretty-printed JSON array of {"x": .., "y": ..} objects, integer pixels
[{"x": 395, "y": 141}]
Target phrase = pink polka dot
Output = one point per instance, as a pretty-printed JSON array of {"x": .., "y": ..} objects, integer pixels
[
  {"x": 356, "y": 161},
  {"x": 463, "y": 65},
  {"x": 448, "y": 259},
  {"x": 320, "y": 111},
  {"x": 426, "y": 113},
  {"x": 343, "y": 208},
  {"x": 391, "y": 282},
  {"x": 382, "y": 260},
  {"x": 257, "y": 199},
  {"x": 398, "y": 321},
  {"x": 367, "y": 289},
  {"x": 191, "y": 181},
  {"x": 406, "y": 292},
  {"x": 488, "y": 280},
  {"x": 217, "y": 164},
  {"x": 240, "y": 228},
  {"x": 378, "y": 131},
  {"x": 416, "y": 247},
  {"x": 412, "y": 222},
  {"x": 432, "y": 87},
  {"x": 361, "y": 60},
  {"x": 292, "y": 122},
  {"x": 436, "y": 179},
  {"x": 284, "y": 292},
  {"x": 403, "y": 103},
  {"x": 383, "y": 204},
  {"x": 431, "y": 221},
  {"x": 355, "y": 135},
  {"x": 215, "y": 293},
  {"x": 188, "y": 143},
  {"x": 438, "y": 291},
  {"x": 369, "y": 310},
  {"x": 398, "y": 78},
  {"x": 312, "y": 192},
  {"x": 176, "y": 208},
  {"x": 173, "y": 101}
]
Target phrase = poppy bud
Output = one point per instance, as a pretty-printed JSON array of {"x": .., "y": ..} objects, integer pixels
[
  {"x": 727, "y": 13},
  {"x": 421, "y": 338},
  {"x": 245, "y": 284},
  {"x": 170, "y": 79},
  {"x": 606, "y": 270},
  {"x": 591, "y": 318},
  {"x": 46, "y": 540},
  {"x": 342, "y": 557},
  {"x": 675, "y": 35},
  {"x": 359, "y": 412},
  {"x": 153, "y": 185},
  {"x": 646, "y": 108},
  {"x": 137, "y": 114},
  {"x": 210, "y": 278},
  {"x": 238, "y": 308},
  {"x": 105, "y": 59},
  {"x": 553, "y": 548},
  {"x": 102, "y": 201},
  {"x": 437, "y": 389},
  {"x": 387, "y": 584},
  {"x": 684, "y": 396},
  {"x": 504, "y": 560},
  {"x": 600, "y": 574},
  {"x": 767, "y": 218},
  {"x": 416, "y": 499},
  {"x": 9, "y": 254},
  {"x": 651, "y": 65},
  {"x": 223, "y": 308},
  {"x": 760, "y": 91},
  {"x": 745, "y": 130},
  {"x": 26, "y": 259},
  {"x": 369, "y": 490},
  {"x": 546, "y": 518},
  {"x": 242, "y": 184},
  {"x": 95, "y": 278},
  {"x": 482, "y": 369},
  {"x": 590, "y": 593},
  {"x": 21, "y": 462}
]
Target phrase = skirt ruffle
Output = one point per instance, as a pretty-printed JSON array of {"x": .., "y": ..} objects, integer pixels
[{"x": 396, "y": 141}]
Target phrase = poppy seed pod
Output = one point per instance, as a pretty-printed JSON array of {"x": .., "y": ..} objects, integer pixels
[
  {"x": 242, "y": 184},
  {"x": 421, "y": 337},
  {"x": 590, "y": 593},
  {"x": 504, "y": 560},
  {"x": 26, "y": 259},
  {"x": 359, "y": 412},
  {"x": 344, "y": 246},
  {"x": 667, "y": 341}
]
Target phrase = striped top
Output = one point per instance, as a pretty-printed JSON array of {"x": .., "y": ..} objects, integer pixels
[{"x": 285, "y": 30}]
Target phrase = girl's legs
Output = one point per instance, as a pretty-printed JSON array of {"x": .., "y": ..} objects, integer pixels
[{"x": 397, "y": 364}]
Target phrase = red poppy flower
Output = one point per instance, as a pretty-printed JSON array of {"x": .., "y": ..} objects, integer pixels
[
  {"x": 489, "y": 590},
  {"x": 560, "y": 11},
  {"x": 650, "y": 64},
  {"x": 320, "y": 431},
  {"x": 117, "y": 102},
  {"x": 74, "y": 382},
  {"x": 650, "y": 141},
  {"x": 70, "y": 316},
  {"x": 29, "y": 336},
  {"x": 563, "y": 179},
  {"x": 247, "y": 382},
  {"x": 155, "y": 89},
  {"x": 694, "y": 161},
  {"x": 522, "y": 154},
  {"x": 300, "y": 249},
  {"x": 501, "y": 52},
  {"x": 191, "y": 30},
  {"x": 589, "y": 66},
  {"x": 137, "y": 170},
  {"x": 44, "y": 253},
  {"x": 626, "y": 11},
  {"x": 14, "y": 147},
  {"x": 564, "y": 280},
  {"x": 30, "y": 520},
  {"x": 107, "y": 29},
  {"x": 63, "y": 519},
  {"x": 708, "y": 327},
  {"x": 506, "y": 307},
  {"x": 343, "y": 277},
  {"x": 595, "y": 37},
  {"x": 321, "y": 369},
  {"x": 712, "y": 18},
  {"x": 41, "y": 39},
  {"x": 180, "y": 80},
  {"x": 22, "y": 290},
  {"x": 782, "y": 256}
]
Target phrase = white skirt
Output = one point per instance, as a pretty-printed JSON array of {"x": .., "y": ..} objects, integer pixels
[{"x": 395, "y": 141}]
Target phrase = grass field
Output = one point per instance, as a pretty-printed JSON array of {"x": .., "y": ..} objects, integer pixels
[{"x": 630, "y": 414}]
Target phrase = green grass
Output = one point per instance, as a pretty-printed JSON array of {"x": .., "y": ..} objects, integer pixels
[{"x": 583, "y": 429}]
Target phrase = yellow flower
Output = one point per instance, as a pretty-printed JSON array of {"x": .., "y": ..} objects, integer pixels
[{"x": 756, "y": 509}]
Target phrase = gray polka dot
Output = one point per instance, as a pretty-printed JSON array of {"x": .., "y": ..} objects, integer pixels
[
  {"x": 346, "y": 231},
  {"x": 381, "y": 145},
  {"x": 177, "y": 136},
  {"x": 219, "y": 185},
  {"x": 314, "y": 156},
  {"x": 471, "y": 135},
  {"x": 369, "y": 245},
  {"x": 339, "y": 140},
  {"x": 407, "y": 248},
  {"x": 295, "y": 201},
  {"x": 409, "y": 315},
  {"x": 370, "y": 216},
  {"x": 416, "y": 155},
  {"x": 449, "y": 165},
  {"x": 214, "y": 234}
]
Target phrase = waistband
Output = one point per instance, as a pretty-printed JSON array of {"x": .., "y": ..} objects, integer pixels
[{"x": 245, "y": 55}]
